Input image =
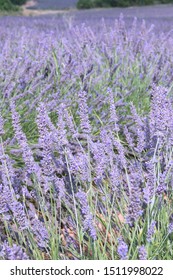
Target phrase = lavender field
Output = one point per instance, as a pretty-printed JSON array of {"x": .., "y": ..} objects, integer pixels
[{"x": 86, "y": 138}]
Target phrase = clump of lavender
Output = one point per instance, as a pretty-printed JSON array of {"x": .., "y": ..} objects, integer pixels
[
  {"x": 113, "y": 115},
  {"x": 161, "y": 114},
  {"x": 170, "y": 228},
  {"x": 170, "y": 225},
  {"x": 60, "y": 187},
  {"x": 3, "y": 200},
  {"x": 83, "y": 168},
  {"x": 83, "y": 112},
  {"x": 22, "y": 140},
  {"x": 100, "y": 159},
  {"x": 139, "y": 130},
  {"x": 19, "y": 215},
  {"x": 1, "y": 126},
  {"x": 61, "y": 127},
  {"x": 126, "y": 162},
  {"x": 150, "y": 187},
  {"x": 121, "y": 153},
  {"x": 87, "y": 216},
  {"x": 44, "y": 142},
  {"x": 151, "y": 231},
  {"x": 129, "y": 138},
  {"x": 14, "y": 252},
  {"x": 122, "y": 249},
  {"x": 135, "y": 204},
  {"x": 39, "y": 231},
  {"x": 142, "y": 253}
]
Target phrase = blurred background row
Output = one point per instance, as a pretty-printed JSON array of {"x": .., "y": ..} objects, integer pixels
[{"x": 8, "y": 5}]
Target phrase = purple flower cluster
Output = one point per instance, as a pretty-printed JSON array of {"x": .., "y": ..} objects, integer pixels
[
  {"x": 151, "y": 231},
  {"x": 14, "y": 252},
  {"x": 142, "y": 253},
  {"x": 88, "y": 217},
  {"x": 122, "y": 249},
  {"x": 86, "y": 134},
  {"x": 135, "y": 203}
]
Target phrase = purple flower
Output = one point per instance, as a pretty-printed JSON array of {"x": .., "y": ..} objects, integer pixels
[
  {"x": 6, "y": 199},
  {"x": 113, "y": 115},
  {"x": 3, "y": 201},
  {"x": 21, "y": 138},
  {"x": 135, "y": 203},
  {"x": 161, "y": 115},
  {"x": 151, "y": 231},
  {"x": 61, "y": 126},
  {"x": 100, "y": 159},
  {"x": 83, "y": 112},
  {"x": 139, "y": 129},
  {"x": 1, "y": 126},
  {"x": 87, "y": 216},
  {"x": 13, "y": 253},
  {"x": 128, "y": 137},
  {"x": 142, "y": 253},
  {"x": 69, "y": 122},
  {"x": 59, "y": 184},
  {"x": 121, "y": 152},
  {"x": 83, "y": 166},
  {"x": 122, "y": 249},
  {"x": 170, "y": 228},
  {"x": 149, "y": 190},
  {"x": 45, "y": 142},
  {"x": 39, "y": 231},
  {"x": 19, "y": 215}
]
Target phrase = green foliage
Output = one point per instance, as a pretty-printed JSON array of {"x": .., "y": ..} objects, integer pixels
[
  {"x": 18, "y": 2},
  {"x": 6, "y": 5},
  {"x": 166, "y": 1},
  {"x": 86, "y": 4}
]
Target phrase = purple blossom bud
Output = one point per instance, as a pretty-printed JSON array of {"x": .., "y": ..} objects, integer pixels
[
  {"x": 121, "y": 153},
  {"x": 122, "y": 249},
  {"x": 40, "y": 232},
  {"x": 148, "y": 191},
  {"x": 113, "y": 115},
  {"x": 19, "y": 215},
  {"x": 161, "y": 115},
  {"x": 142, "y": 253},
  {"x": 128, "y": 137},
  {"x": 88, "y": 218},
  {"x": 139, "y": 130},
  {"x": 21, "y": 138},
  {"x": 1, "y": 126},
  {"x": 170, "y": 228},
  {"x": 83, "y": 112},
  {"x": 135, "y": 204},
  {"x": 151, "y": 231},
  {"x": 99, "y": 158}
]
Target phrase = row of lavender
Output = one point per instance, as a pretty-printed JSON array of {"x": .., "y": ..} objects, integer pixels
[{"x": 86, "y": 127}]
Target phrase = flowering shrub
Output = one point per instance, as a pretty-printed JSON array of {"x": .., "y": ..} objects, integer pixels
[{"x": 86, "y": 133}]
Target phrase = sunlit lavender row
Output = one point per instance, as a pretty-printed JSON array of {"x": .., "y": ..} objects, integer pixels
[{"x": 86, "y": 135}]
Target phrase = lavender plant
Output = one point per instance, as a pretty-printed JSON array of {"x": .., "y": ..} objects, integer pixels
[{"x": 85, "y": 140}]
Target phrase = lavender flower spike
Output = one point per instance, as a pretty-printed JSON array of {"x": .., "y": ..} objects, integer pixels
[
  {"x": 13, "y": 253},
  {"x": 122, "y": 249},
  {"x": 142, "y": 253},
  {"x": 88, "y": 219},
  {"x": 83, "y": 112},
  {"x": 151, "y": 230}
]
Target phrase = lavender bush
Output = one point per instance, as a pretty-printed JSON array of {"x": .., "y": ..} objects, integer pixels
[{"x": 86, "y": 134}]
